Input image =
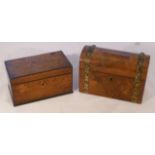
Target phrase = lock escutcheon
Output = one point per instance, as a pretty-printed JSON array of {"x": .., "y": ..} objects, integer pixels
[
  {"x": 43, "y": 83},
  {"x": 110, "y": 78}
]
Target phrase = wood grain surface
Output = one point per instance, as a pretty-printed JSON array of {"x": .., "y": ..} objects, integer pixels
[
  {"x": 112, "y": 73},
  {"x": 39, "y": 77}
]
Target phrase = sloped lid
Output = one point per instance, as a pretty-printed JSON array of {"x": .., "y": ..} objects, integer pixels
[
  {"x": 33, "y": 65},
  {"x": 114, "y": 62}
]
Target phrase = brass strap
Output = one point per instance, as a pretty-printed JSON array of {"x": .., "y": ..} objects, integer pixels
[
  {"x": 87, "y": 67},
  {"x": 138, "y": 78}
]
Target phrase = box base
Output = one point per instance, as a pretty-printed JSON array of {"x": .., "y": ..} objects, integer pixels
[{"x": 43, "y": 98}]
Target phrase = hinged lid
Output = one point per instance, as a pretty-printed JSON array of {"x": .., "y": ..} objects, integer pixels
[
  {"x": 37, "y": 67},
  {"x": 115, "y": 62}
]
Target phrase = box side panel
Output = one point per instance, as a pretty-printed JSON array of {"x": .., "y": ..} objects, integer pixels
[{"x": 41, "y": 89}]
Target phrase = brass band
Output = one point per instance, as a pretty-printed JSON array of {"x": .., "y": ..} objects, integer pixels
[
  {"x": 87, "y": 67},
  {"x": 138, "y": 78}
]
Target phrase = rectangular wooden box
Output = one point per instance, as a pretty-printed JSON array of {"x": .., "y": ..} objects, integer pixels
[
  {"x": 39, "y": 77},
  {"x": 113, "y": 74}
]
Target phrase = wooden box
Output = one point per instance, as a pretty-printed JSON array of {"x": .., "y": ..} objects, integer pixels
[
  {"x": 113, "y": 74},
  {"x": 39, "y": 77}
]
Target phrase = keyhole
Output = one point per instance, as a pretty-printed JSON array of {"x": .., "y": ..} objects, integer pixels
[
  {"x": 110, "y": 79},
  {"x": 43, "y": 83}
]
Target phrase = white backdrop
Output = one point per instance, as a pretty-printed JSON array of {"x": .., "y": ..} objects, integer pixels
[{"x": 76, "y": 102}]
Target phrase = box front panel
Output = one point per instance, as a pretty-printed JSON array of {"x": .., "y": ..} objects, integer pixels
[
  {"x": 36, "y": 90},
  {"x": 110, "y": 86}
]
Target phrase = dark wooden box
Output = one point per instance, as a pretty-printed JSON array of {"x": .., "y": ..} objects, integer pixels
[
  {"x": 112, "y": 73},
  {"x": 39, "y": 77}
]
